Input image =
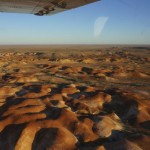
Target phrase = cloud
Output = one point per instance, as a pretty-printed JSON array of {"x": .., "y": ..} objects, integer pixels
[{"x": 99, "y": 25}]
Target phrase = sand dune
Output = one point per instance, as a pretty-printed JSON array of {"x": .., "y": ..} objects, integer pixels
[{"x": 99, "y": 100}]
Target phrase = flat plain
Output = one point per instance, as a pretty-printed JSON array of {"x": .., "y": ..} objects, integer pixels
[{"x": 75, "y": 97}]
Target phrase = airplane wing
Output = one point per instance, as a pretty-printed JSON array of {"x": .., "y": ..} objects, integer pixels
[{"x": 40, "y": 7}]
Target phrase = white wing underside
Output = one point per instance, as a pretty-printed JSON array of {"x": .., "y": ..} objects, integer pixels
[{"x": 40, "y": 7}]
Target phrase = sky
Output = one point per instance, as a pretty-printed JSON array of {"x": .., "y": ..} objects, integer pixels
[{"x": 102, "y": 22}]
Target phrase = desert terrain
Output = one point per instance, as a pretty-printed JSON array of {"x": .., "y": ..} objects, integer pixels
[{"x": 75, "y": 97}]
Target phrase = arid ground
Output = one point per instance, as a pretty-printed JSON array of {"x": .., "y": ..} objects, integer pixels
[{"x": 74, "y": 97}]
